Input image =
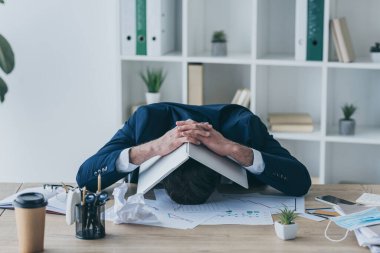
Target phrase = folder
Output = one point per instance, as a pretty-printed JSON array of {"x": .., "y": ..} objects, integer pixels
[
  {"x": 141, "y": 27},
  {"x": 157, "y": 168},
  {"x": 301, "y": 30},
  {"x": 315, "y": 16},
  {"x": 160, "y": 26},
  {"x": 128, "y": 27},
  {"x": 195, "y": 84}
]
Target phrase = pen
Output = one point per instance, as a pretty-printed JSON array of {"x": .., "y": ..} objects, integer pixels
[{"x": 320, "y": 208}]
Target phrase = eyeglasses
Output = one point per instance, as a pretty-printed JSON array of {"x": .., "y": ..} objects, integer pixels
[{"x": 60, "y": 190}]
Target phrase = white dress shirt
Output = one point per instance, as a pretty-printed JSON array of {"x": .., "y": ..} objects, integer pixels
[{"x": 123, "y": 164}]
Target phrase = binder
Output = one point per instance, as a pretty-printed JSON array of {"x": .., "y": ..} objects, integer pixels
[
  {"x": 195, "y": 84},
  {"x": 315, "y": 15},
  {"x": 160, "y": 26},
  {"x": 301, "y": 30},
  {"x": 141, "y": 27},
  {"x": 128, "y": 27}
]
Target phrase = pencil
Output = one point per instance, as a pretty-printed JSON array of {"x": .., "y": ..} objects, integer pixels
[
  {"x": 99, "y": 184},
  {"x": 84, "y": 196}
]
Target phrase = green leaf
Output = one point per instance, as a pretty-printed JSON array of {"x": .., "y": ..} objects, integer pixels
[
  {"x": 7, "y": 58},
  {"x": 3, "y": 90},
  {"x": 1, "y": 1},
  {"x": 153, "y": 79}
]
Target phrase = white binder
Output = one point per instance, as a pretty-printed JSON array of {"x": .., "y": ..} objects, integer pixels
[
  {"x": 160, "y": 19},
  {"x": 128, "y": 27},
  {"x": 301, "y": 30}
]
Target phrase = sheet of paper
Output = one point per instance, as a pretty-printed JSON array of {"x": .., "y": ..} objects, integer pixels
[
  {"x": 222, "y": 210},
  {"x": 172, "y": 219},
  {"x": 242, "y": 217},
  {"x": 273, "y": 202}
]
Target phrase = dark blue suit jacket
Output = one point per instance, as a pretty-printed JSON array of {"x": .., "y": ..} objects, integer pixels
[{"x": 282, "y": 171}]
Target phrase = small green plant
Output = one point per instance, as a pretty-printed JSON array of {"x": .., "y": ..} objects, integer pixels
[
  {"x": 348, "y": 110},
  {"x": 153, "y": 79},
  {"x": 287, "y": 216},
  {"x": 375, "y": 48},
  {"x": 219, "y": 36}
]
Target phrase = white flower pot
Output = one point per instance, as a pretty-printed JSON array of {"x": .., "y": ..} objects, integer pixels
[
  {"x": 375, "y": 57},
  {"x": 152, "y": 98},
  {"x": 286, "y": 232}
]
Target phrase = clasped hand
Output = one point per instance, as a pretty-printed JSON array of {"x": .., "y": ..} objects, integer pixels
[{"x": 196, "y": 133}]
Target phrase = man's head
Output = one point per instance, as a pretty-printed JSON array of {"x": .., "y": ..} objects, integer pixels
[{"x": 192, "y": 183}]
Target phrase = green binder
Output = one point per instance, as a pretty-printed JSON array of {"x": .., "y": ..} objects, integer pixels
[
  {"x": 314, "y": 48},
  {"x": 140, "y": 27}
]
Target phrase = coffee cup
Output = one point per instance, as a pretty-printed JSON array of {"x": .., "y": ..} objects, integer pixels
[{"x": 30, "y": 219}]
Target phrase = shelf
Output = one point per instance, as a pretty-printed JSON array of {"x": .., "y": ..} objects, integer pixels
[
  {"x": 363, "y": 135},
  {"x": 285, "y": 60},
  {"x": 170, "y": 57},
  {"x": 313, "y": 136},
  {"x": 261, "y": 57},
  {"x": 359, "y": 63},
  {"x": 232, "y": 58}
]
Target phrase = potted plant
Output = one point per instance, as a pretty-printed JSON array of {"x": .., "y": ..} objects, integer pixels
[
  {"x": 219, "y": 44},
  {"x": 286, "y": 228},
  {"x": 347, "y": 124},
  {"x": 7, "y": 63},
  {"x": 375, "y": 52},
  {"x": 153, "y": 80}
]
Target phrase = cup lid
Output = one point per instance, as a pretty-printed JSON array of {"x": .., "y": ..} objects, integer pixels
[{"x": 30, "y": 200}]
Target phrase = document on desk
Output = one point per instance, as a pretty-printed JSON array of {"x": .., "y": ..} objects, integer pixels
[
  {"x": 221, "y": 210},
  {"x": 56, "y": 201},
  {"x": 273, "y": 202}
]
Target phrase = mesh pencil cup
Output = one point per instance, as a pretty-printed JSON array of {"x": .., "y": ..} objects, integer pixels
[{"x": 89, "y": 221}]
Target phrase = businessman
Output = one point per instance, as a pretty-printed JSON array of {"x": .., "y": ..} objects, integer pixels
[{"x": 228, "y": 130}]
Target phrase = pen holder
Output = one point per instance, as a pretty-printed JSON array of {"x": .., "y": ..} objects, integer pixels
[{"x": 89, "y": 221}]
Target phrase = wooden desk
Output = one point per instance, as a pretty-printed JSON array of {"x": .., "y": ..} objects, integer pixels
[{"x": 225, "y": 238}]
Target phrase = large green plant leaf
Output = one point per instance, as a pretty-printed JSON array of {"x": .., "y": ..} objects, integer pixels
[
  {"x": 7, "y": 58},
  {"x": 3, "y": 89},
  {"x": 2, "y": 1}
]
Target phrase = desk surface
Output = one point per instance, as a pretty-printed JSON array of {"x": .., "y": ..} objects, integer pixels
[{"x": 223, "y": 238}]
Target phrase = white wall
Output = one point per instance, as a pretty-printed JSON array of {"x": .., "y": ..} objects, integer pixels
[{"x": 63, "y": 102}]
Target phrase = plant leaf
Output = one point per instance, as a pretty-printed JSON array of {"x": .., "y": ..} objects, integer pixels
[
  {"x": 1, "y": 1},
  {"x": 3, "y": 90},
  {"x": 7, "y": 58}
]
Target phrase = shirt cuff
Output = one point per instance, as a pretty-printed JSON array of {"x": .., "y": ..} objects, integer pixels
[
  {"x": 258, "y": 165},
  {"x": 122, "y": 162}
]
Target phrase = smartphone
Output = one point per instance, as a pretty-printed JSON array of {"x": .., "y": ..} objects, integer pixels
[{"x": 332, "y": 200}]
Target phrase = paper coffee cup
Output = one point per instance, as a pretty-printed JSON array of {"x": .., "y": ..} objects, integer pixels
[{"x": 30, "y": 219}]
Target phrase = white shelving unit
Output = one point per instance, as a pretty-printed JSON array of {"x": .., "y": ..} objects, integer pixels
[{"x": 261, "y": 57}]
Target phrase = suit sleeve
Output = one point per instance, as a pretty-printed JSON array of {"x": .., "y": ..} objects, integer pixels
[
  {"x": 104, "y": 161},
  {"x": 282, "y": 171}
]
